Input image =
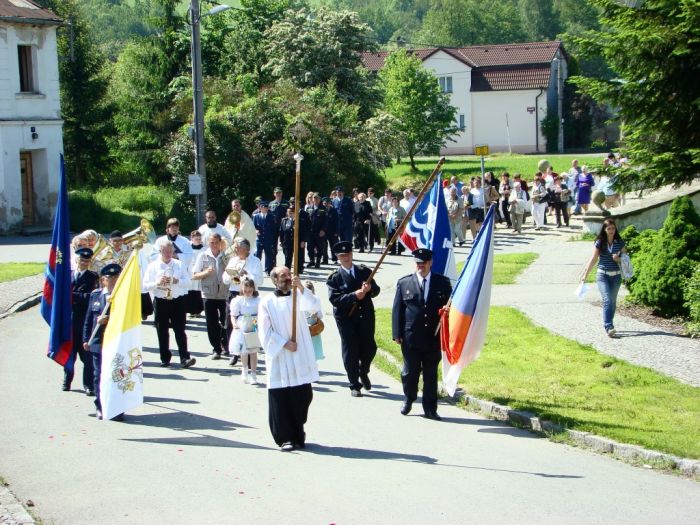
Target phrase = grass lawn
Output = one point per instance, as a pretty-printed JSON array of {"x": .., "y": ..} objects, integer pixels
[
  {"x": 528, "y": 368},
  {"x": 400, "y": 176},
  {"x": 12, "y": 271},
  {"x": 507, "y": 266}
]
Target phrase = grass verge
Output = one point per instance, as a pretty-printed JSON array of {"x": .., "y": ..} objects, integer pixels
[
  {"x": 528, "y": 368},
  {"x": 400, "y": 176},
  {"x": 508, "y": 266},
  {"x": 13, "y": 271}
]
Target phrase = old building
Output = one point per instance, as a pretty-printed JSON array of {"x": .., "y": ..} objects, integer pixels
[
  {"x": 501, "y": 92},
  {"x": 30, "y": 115}
]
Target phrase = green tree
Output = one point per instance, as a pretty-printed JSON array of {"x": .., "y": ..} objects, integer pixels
[
  {"x": 412, "y": 95},
  {"x": 456, "y": 23},
  {"x": 539, "y": 19},
  {"x": 654, "y": 52},
  {"x": 86, "y": 114},
  {"x": 314, "y": 48}
]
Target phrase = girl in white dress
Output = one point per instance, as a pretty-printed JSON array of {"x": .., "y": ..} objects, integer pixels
[{"x": 244, "y": 319}]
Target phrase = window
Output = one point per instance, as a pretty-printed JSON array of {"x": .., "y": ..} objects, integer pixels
[
  {"x": 26, "y": 69},
  {"x": 445, "y": 84},
  {"x": 461, "y": 122}
]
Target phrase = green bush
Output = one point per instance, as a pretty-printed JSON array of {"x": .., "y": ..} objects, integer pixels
[
  {"x": 666, "y": 259},
  {"x": 120, "y": 208},
  {"x": 692, "y": 301}
]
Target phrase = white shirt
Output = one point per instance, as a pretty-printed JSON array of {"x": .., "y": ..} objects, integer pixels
[
  {"x": 206, "y": 231},
  {"x": 285, "y": 368},
  {"x": 157, "y": 269},
  {"x": 427, "y": 284},
  {"x": 477, "y": 197},
  {"x": 183, "y": 245},
  {"x": 253, "y": 267}
]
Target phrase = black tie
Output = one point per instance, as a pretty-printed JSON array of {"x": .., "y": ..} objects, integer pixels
[{"x": 422, "y": 291}]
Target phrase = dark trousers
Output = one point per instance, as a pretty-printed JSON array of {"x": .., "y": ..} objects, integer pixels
[
  {"x": 288, "y": 411},
  {"x": 561, "y": 208},
  {"x": 358, "y": 347},
  {"x": 506, "y": 212},
  {"x": 97, "y": 371},
  {"x": 289, "y": 255},
  {"x": 316, "y": 248},
  {"x": 171, "y": 313},
  {"x": 416, "y": 361},
  {"x": 215, "y": 316},
  {"x": 84, "y": 358},
  {"x": 270, "y": 251},
  {"x": 345, "y": 231},
  {"x": 228, "y": 326},
  {"x": 331, "y": 240},
  {"x": 146, "y": 305}
]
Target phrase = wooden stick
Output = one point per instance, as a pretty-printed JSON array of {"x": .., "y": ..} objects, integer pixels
[
  {"x": 403, "y": 224},
  {"x": 295, "y": 257}
]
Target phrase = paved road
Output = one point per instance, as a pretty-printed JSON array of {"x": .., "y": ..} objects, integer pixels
[
  {"x": 200, "y": 451},
  {"x": 24, "y": 249}
]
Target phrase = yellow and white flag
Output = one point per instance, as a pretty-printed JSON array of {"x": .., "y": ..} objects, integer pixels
[{"x": 121, "y": 381}]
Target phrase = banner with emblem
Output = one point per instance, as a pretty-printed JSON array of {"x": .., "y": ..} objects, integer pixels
[
  {"x": 121, "y": 382},
  {"x": 429, "y": 227},
  {"x": 463, "y": 323}
]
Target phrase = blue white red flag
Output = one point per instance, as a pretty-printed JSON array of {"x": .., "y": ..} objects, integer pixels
[
  {"x": 463, "y": 325},
  {"x": 429, "y": 227},
  {"x": 57, "y": 298}
]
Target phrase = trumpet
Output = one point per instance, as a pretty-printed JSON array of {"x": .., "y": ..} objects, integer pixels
[
  {"x": 165, "y": 284},
  {"x": 235, "y": 271}
]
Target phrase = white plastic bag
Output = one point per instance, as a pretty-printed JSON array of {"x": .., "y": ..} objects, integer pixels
[{"x": 581, "y": 291}]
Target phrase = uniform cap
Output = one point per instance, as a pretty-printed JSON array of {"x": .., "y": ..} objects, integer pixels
[
  {"x": 342, "y": 247},
  {"x": 84, "y": 253},
  {"x": 264, "y": 204},
  {"x": 326, "y": 199},
  {"x": 422, "y": 255},
  {"x": 339, "y": 188},
  {"x": 116, "y": 234},
  {"x": 277, "y": 188},
  {"x": 111, "y": 270}
]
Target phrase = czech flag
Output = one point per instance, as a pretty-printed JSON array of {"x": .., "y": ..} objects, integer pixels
[
  {"x": 429, "y": 227},
  {"x": 463, "y": 323},
  {"x": 56, "y": 301},
  {"x": 121, "y": 382}
]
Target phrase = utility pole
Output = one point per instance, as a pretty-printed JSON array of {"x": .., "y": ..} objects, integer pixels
[{"x": 198, "y": 106}]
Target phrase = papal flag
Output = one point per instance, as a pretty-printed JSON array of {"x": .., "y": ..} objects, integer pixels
[
  {"x": 121, "y": 382},
  {"x": 464, "y": 321}
]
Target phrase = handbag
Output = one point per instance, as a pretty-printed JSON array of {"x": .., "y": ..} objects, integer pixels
[
  {"x": 316, "y": 326},
  {"x": 626, "y": 268},
  {"x": 252, "y": 340}
]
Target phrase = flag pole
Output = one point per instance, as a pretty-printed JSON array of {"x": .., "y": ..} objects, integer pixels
[
  {"x": 298, "y": 157},
  {"x": 404, "y": 223}
]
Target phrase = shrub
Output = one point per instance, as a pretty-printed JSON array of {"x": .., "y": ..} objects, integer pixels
[
  {"x": 120, "y": 208},
  {"x": 692, "y": 301},
  {"x": 665, "y": 260}
]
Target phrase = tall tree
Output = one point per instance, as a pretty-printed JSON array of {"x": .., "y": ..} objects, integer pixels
[
  {"x": 314, "y": 48},
  {"x": 86, "y": 114},
  {"x": 654, "y": 52},
  {"x": 539, "y": 19},
  {"x": 423, "y": 112}
]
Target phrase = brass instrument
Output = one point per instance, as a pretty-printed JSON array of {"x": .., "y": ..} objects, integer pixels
[
  {"x": 167, "y": 286},
  {"x": 235, "y": 271},
  {"x": 102, "y": 254},
  {"x": 137, "y": 237},
  {"x": 233, "y": 220},
  {"x": 227, "y": 251}
]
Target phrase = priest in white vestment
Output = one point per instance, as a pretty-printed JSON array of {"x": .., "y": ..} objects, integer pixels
[{"x": 291, "y": 366}]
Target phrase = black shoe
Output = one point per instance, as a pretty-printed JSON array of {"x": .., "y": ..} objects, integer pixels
[
  {"x": 234, "y": 360},
  {"x": 433, "y": 415},
  {"x": 188, "y": 362},
  {"x": 98, "y": 414},
  {"x": 287, "y": 447},
  {"x": 406, "y": 407},
  {"x": 355, "y": 392},
  {"x": 89, "y": 392},
  {"x": 366, "y": 383},
  {"x": 65, "y": 388},
  {"x": 317, "y": 265},
  {"x": 165, "y": 365}
]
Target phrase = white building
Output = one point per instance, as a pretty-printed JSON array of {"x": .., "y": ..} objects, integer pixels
[
  {"x": 501, "y": 92},
  {"x": 31, "y": 137}
]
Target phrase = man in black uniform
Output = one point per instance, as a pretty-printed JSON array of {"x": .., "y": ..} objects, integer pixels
[
  {"x": 415, "y": 317},
  {"x": 83, "y": 283},
  {"x": 331, "y": 230},
  {"x": 351, "y": 296},
  {"x": 287, "y": 236},
  {"x": 278, "y": 208},
  {"x": 317, "y": 234}
]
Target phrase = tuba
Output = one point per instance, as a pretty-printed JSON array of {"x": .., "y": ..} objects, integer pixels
[
  {"x": 102, "y": 254},
  {"x": 137, "y": 237}
]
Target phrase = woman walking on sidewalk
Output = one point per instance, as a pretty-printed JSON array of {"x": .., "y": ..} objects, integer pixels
[{"x": 608, "y": 248}]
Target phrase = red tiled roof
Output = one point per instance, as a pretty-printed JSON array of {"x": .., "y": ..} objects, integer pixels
[
  {"x": 509, "y": 78},
  {"x": 481, "y": 56},
  {"x": 26, "y": 9}
]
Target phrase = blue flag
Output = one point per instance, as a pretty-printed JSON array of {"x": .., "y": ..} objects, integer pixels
[
  {"x": 430, "y": 228},
  {"x": 56, "y": 300}
]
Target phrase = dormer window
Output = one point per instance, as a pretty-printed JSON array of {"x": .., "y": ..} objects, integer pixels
[{"x": 26, "y": 70}]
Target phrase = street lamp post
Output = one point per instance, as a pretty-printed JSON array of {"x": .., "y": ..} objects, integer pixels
[{"x": 198, "y": 102}]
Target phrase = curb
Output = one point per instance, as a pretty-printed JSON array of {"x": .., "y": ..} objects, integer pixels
[
  {"x": 21, "y": 305},
  {"x": 12, "y": 512},
  {"x": 632, "y": 454}
]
